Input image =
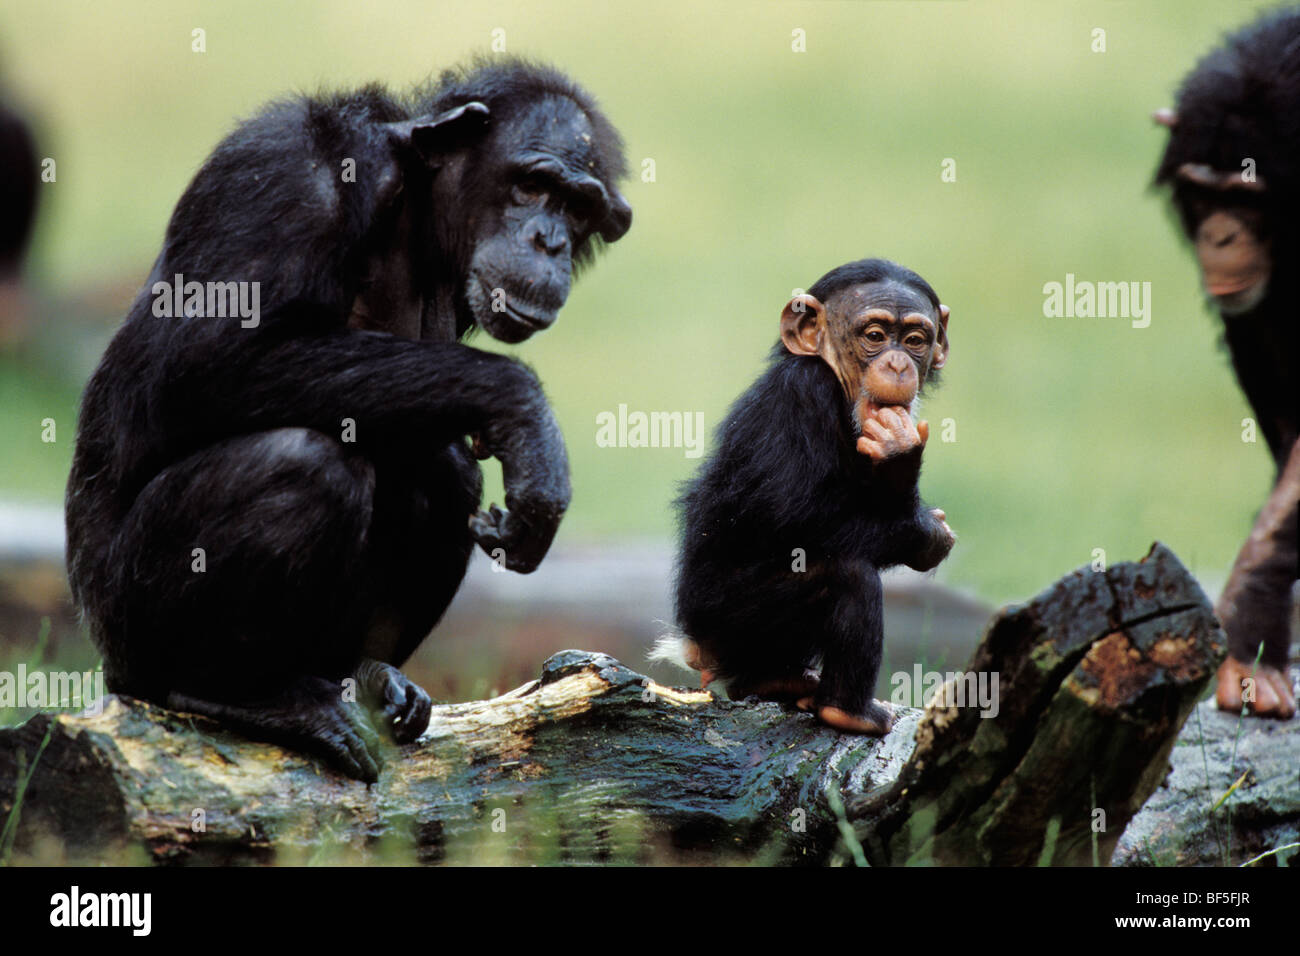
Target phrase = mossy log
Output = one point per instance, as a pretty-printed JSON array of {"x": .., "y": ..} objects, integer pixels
[{"x": 595, "y": 762}]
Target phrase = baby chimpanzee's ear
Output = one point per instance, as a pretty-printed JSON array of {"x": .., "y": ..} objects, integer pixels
[{"x": 803, "y": 326}]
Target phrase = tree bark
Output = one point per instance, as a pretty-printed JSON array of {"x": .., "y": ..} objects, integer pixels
[{"x": 595, "y": 762}]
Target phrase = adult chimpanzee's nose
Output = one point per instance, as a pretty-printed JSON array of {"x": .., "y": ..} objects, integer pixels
[{"x": 551, "y": 238}]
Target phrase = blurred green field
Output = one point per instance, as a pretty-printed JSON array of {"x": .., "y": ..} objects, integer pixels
[{"x": 771, "y": 167}]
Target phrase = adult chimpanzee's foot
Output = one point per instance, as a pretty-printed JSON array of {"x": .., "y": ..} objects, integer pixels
[
  {"x": 1272, "y": 690},
  {"x": 308, "y": 715},
  {"x": 402, "y": 705}
]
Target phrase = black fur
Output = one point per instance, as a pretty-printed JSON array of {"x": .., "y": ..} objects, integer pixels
[
  {"x": 327, "y": 558},
  {"x": 786, "y": 475},
  {"x": 1243, "y": 100},
  {"x": 19, "y": 180}
]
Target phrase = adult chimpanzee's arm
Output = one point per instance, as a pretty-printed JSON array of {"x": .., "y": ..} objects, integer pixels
[
  {"x": 1256, "y": 602},
  {"x": 402, "y": 395}
]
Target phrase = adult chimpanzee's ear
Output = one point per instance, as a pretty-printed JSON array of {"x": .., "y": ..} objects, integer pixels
[
  {"x": 803, "y": 326},
  {"x": 434, "y": 134},
  {"x": 1165, "y": 117},
  {"x": 618, "y": 220},
  {"x": 941, "y": 345}
]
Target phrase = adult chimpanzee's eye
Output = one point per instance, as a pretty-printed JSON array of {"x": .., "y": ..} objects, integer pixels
[
  {"x": 527, "y": 192},
  {"x": 581, "y": 210}
]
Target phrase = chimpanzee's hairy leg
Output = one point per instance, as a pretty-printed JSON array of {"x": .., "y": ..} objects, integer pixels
[
  {"x": 420, "y": 549},
  {"x": 295, "y": 533},
  {"x": 853, "y": 642}
]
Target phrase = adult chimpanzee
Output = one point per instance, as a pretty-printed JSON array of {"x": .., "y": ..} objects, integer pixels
[
  {"x": 810, "y": 493},
  {"x": 18, "y": 184},
  {"x": 1232, "y": 162},
  {"x": 268, "y": 499}
]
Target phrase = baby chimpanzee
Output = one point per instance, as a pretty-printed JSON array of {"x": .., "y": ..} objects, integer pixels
[{"x": 810, "y": 493}]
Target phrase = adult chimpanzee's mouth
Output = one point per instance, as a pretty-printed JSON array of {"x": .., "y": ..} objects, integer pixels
[
  {"x": 535, "y": 319},
  {"x": 1236, "y": 298},
  {"x": 1232, "y": 286},
  {"x": 496, "y": 304}
]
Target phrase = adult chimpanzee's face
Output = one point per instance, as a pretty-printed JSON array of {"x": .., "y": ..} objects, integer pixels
[
  {"x": 883, "y": 340},
  {"x": 1234, "y": 254},
  {"x": 548, "y": 202}
]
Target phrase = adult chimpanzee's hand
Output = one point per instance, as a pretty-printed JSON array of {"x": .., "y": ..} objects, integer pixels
[{"x": 535, "y": 470}]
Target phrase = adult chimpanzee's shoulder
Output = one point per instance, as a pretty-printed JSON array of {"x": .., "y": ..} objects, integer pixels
[
  {"x": 313, "y": 174},
  {"x": 326, "y": 123}
]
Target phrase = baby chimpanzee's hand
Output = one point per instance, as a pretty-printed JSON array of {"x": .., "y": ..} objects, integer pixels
[{"x": 889, "y": 432}]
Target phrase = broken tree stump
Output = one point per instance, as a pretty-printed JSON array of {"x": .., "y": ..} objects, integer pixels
[
  {"x": 1096, "y": 677},
  {"x": 594, "y": 762}
]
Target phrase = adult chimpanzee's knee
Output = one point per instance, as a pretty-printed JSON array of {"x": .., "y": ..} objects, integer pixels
[
  {"x": 251, "y": 609},
  {"x": 262, "y": 581}
]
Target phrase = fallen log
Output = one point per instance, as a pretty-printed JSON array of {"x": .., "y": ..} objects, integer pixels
[
  {"x": 1187, "y": 821},
  {"x": 595, "y": 762}
]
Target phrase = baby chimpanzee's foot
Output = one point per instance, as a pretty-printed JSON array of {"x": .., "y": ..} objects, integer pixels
[
  {"x": 402, "y": 706},
  {"x": 792, "y": 687},
  {"x": 876, "y": 722}
]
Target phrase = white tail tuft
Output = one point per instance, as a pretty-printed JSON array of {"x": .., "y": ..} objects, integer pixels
[{"x": 670, "y": 648}]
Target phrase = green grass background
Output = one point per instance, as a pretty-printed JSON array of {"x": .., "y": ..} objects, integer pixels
[{"x": 772, "y": 167}]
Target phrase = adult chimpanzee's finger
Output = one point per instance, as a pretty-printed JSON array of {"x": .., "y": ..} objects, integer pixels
[{"x": 923, "y": 430}]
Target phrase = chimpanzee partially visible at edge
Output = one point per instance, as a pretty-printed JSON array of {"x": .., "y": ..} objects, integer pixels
[
  {"x": 19, "y": 182},
  {"x": 18, "y": 186},
  {"x": 1233, "y": 164},
  {"x": 265, "y": 502},
  {"x": 809, "y": 495}
]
